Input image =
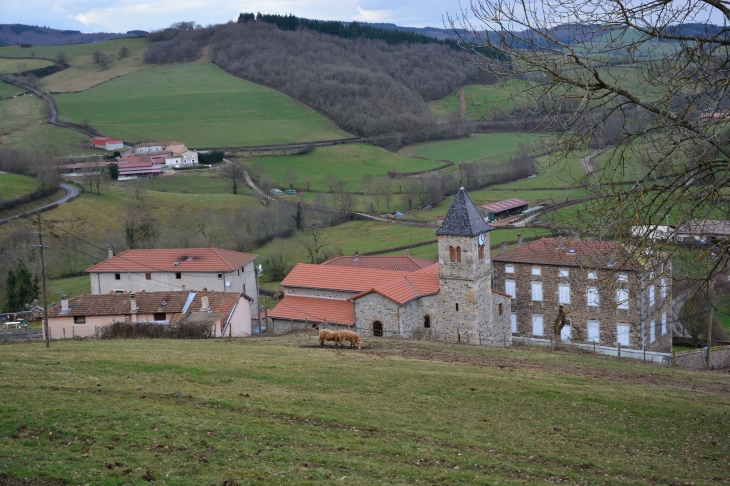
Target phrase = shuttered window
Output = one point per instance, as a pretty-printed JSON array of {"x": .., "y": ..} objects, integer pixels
[
  {"x": 509, "y": 288},
  {"x": 622, "y": 298},
  {"x": 664, "y": 323},
  {"x": 652, "y": 332},
  {"x": 537, "y": 291},
  {"x": 593, "y": 298},
  {"x": 651, "y": 296},
  {"x": 537, "y": 325},
  {"x": 594, "y": 332},
  {"x": 564, "y": 293},
  {"x": 513, "y": 321}
]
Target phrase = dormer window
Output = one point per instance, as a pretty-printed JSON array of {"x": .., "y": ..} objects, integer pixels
[
  {"x": 536, "y": 271},
  {"x": 563, "y": 273},
  {"x": 509, "y": 269}
]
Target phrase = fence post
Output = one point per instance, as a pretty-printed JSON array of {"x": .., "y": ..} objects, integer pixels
[
  {"x": 73, "y": 332},
  {"x": 49, "y": 333},
  {"x": 28, "y": 332},
  {"x": 64, "y": 333},
  {"x": 619, "y": 350},
  {"x": 674, "y": 357}
]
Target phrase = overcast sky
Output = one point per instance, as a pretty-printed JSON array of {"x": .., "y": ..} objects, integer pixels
[{"x": 124, "y": 15}]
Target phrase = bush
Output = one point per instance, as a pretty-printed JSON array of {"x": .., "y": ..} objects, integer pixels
[
  {"x": 212, "y": 157},
  {"x": 150, "y": 330}
]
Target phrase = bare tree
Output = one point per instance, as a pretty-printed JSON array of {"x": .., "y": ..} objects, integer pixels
[
  {"x": 344, "y": 200},
  {"x": 382, "y": 190},
  {"x": 312, "y": 243},
  {"x": 665, "y": 129},
  {"x": 290, "y": 178},
  {"x": 61, "y": 57},
  {"x": 123, "y": 52},
  {"x": 308, "y": 180},
  {"x": 234, "y": 173}
]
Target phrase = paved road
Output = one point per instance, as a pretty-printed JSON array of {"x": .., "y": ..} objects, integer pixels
[{"x": 71, "y": 193}]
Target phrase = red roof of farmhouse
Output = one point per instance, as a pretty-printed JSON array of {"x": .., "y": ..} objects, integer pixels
[
  {"x": 314, "y": 309},
  {"x": 106, "y": 140},
  {"x": 405, "y": 288},
  {"x": 164, "y": 260},
  {"x": 506, "y": 205},
  {"x": 397, "y": 263},
  {"x": 573, "y": 253},
  {"x": 332, "y": 277}
]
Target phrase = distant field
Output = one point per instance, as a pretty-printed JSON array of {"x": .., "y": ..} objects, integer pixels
[
  {"x": 23, "y": 123},
  {"x": 186, "y": 183},
  {"x": 482, "y": 101},
  {"x": 558, "y": 174},
  {"x": 347, "y": 162},
  {"x": 481, "y": 147},
  {"x": 83, "y": 73},
  {"x": 284, "y": 411},
  {"x": 197, "y": 104},
  {"x": 22, "y": 65},
  {"x": 12, "y": 185},
  {"x": 70, "y": 287}
]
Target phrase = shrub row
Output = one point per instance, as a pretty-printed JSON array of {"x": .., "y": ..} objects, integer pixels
[{"x": 150, "y": 330}]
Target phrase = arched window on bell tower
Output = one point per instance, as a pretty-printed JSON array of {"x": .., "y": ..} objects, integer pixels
[
  {"x": 452, "y": 254},
  {"x": 458, "y": 254}
]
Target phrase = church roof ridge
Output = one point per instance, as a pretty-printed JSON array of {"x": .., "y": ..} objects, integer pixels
[{"x": 463, "y": 218}]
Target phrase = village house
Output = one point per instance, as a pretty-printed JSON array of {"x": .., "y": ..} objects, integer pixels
[
  {"x": 449, "y": 300},
  {"x": 107, "y": 143},
  {"x": 154, "y": 147},
  {"x": 608, "y": 296},
  {"x": 183, "y": 156},
  {"x": 176, "y": 269},
  {"x": 228, "y": 314},
  {"x": 704, "y": 230}
]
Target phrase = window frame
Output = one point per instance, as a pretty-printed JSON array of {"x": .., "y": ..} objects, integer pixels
[
  {"x": 117, "y": 276},
  {"x": 427, "y": 321},
  {"x": 509, "y": 269},
  {"x": 592, "y": 275},
  {"x": 536, "y": 271},
  {"x": 178, "y": 275},
  {"x": 148, "y": 276},
  {"x": 664, "y": 323},
  {"x": 514, "y": 288},
  {"x": 652, "y": 299},
  {"x": 536, "y": 285},
  {"x": 593, "y": 323},
  {"x": 628, "y": 334},
  {"x": 563, "y": 287},
  {"x": 623, "y": 277},
  {"x": 79, "y": 319},
  {"x": 542, "y": 324},
  {"x": 593, "y": 291},
  {"x": 652, "y": 331},
  {"x": 622, "y": 304},
  {"x": 513, "y": 322},
  {"x": 563, "y": 273}
]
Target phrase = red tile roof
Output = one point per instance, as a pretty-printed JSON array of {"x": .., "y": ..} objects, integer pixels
[
  {"x": 163, "y": 260},
  {"x": 705, "y": 227},
  {"x": 574, "y": 253},
  {"x": 314, "y": 309},
  {"x": 506, "y": 205},
  {"x": 333, "y": 277},
  {"x": 397, "y": 263},
  {"x": 406, "y": 288},
  {"x": 498, "y": 292},
  {"x": 147, "y": 303}
]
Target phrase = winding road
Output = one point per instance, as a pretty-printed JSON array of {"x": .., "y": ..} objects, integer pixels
[{"x": 72, "y": 192}]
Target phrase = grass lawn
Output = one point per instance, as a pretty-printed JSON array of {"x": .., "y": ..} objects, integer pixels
[
  {"x": 482, "y": 102},
  {"x": 217, "y": 110},
  {"x": 481, "y": 147},
  {"x": 284, "y": 411},
  {"x": 348, "y": 163},
  {"x": 23, "y": 124},
  {"x": 567, "y": 172},
  {"x": 13, "y": 185},
  {"x": 22, "y": 65},
  {"x": 195, "y": 182}
]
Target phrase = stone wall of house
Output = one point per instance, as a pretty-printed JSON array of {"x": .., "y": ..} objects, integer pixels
[
  {"x": 373, "y": 308},
  {"x": 719, "y": 358},
  {"x": 497, "y": 332},
  {"x": 322, "y": 293}
]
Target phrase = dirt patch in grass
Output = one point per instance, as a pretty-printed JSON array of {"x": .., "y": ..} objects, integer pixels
[{"x": 7, "y": 480}]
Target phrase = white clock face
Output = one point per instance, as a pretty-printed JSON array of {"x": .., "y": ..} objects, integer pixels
[{"x": 481, "y": 239}]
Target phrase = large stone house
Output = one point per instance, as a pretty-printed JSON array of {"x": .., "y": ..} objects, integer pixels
[
  {"x": 228, "y": 314},
  {"x": 178, "y": 269},
  {"x": 449, "y": 300},
  {"x": 609, "y": 297}
]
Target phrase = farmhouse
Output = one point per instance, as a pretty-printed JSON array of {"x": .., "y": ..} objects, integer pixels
[
  {"x": 201, "y": 269},
  {"x": 132, "y": 170},
  {"x": 154, "y": 147},
  {"x": 449, "y": 300},
  {"x": 183, "y": 156},
  {"x": 107, "y": 143},
  {"x": 608, "y": 296},
  {"x": 229, "y": 314}
]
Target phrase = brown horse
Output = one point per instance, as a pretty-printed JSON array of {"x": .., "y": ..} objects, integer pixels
[
  {"x": 325, "y": 335},
  {"x": 352, "y": 337}
]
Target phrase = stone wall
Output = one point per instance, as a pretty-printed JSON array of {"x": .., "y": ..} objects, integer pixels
[
  {"x": 283, "y": 326},
  {"x": 373, "y": 308},
  {"x": 497, "y": 332},
  {"x": 719, "y": 358}
]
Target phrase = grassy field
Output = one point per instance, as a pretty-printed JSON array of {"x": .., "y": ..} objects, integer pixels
[
  {"x": 482, "y": 147},
  {"x": 23, "y": 124},
  {"x": 218, "y": 109},
  {"x": 482, "y": 101},
  {"x": 567, "y": 172},
  {"x": 348, "y": 163},
  {"x": 194, "y": 182},
  {"x": 284, "y": 411},
  {"x": 71, "y": 287},
  {"x": 13, "y": 185},
  {"x": 8, "y": 90},
  {"x": 22, "y": 65}
]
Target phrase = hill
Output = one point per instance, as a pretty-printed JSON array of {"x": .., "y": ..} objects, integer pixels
[
  {"x": 17, "y": 34},
  {"x": 284, "y": 411},
  {"x": 198, "y": 104}
]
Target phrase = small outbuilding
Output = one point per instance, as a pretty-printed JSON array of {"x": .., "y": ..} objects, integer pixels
[
  {"x": 107, "y": 143},
  {"x": 503, "y": 209}
]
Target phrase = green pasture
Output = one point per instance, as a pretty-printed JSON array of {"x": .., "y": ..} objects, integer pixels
[
  {"x": 73, "y": 50},
  {"x": 284, "y": 411},
  {"x": 349, "y": 163},
  {"x": 612, "y": 43},
  {"x": 482, "y": 101},
  {"x": 70, "y": 287},
  {"x": 22, "y": 65},
  {"x": 23, "y": 124},
  {"x": 552, "y": 173},
  {"x": 480, "y": 147},
  {"x": 13, "y": 185},
  {"x": 203, "y": 182},
  {"x": 8, "y": 90},
  {"x": 197, "y": 104}
]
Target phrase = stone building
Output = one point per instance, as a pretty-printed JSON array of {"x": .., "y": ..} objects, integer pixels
[
  {"x": 449, "y": 300},
  {"x": 609, "y": 296}
]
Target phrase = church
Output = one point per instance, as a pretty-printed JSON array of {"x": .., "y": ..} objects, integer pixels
[{"x": 402, "y": 296}]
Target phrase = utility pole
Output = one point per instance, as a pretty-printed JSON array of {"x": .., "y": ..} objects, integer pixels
[{"x": 43, "y": 279}]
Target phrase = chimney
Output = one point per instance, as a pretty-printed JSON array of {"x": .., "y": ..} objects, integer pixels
[
  {"x": 504, "y": 246},
  {"x": 408, "y": 252},
  {"x": 357, "y": 255},
  {"x": 64, "y": 304},
  {"x": 561, "y": 246},
  {"x": 519, "y": 240},
  {"x": 133, "y": 300},
  {"x": 110, "y": 252},
  {"x": 204, "y": 304}
]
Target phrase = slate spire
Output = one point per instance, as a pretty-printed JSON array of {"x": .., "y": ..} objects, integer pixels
[{"x": 463, "y": 218}]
